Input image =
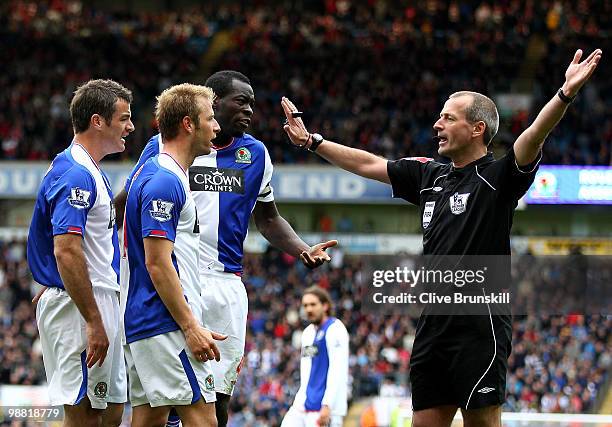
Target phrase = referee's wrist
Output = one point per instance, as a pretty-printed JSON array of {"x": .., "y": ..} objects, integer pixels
[
  {"x": 315, "y": 140},
  {"x": 565, "y": 95}
]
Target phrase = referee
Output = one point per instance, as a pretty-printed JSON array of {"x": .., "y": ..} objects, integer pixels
[{"x": 467, "y": 208}]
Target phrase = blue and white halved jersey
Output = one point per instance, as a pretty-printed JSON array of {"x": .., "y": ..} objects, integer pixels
[
  {"x": 324, "y": 368},
  {"x": 226, "y": 184},
  {"x": 75, "y": 197},
  {"x": 160, "y": 205}
]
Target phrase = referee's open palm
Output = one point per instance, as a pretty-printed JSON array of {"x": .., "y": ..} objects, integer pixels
[{"x": 578, "y": 73}]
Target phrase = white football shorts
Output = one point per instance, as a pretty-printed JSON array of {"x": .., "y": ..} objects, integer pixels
[
  {"x": 299, "y": 418},
  {"x": 224, "y": 309},
  {"x": 64, "y": 342},
  {"x": 164, "y": 372}
]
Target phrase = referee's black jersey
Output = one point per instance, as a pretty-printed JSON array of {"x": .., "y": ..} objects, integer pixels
[{"x": 464, "y": 211}]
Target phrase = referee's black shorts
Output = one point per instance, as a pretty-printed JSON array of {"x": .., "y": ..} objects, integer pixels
[{"x": 460, "y": 361}]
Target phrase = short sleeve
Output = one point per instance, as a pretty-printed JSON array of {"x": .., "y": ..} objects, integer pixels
[
  {"x": 151, "y": 150},
  {"x": 516, "y": 179},
  {"x": 266, "y": 193},
  {"x": 406, "y": 176},
  {"x": 70, "y": 199},
  {"x": 162, "y": 200}
]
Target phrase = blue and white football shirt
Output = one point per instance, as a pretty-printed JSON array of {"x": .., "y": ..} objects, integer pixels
[
  {"x": 75, "y": 197},
  {"x": 324, "y": 368},
  {"x": 226, "y": 184},
  {"x": 159, "y": 204}
]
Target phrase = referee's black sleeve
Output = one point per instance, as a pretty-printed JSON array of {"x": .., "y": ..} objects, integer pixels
[
  {"x": 406, "y": 176},
  {"x": 516, "y": 179}
]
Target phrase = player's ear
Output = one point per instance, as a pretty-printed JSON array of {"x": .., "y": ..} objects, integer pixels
[
  {"x": 216, "y": 103},
  {"x": 96, "y": 121},
  {"x": 187, "y": 124}
]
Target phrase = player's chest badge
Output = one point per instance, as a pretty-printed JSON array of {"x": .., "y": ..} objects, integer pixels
[
  {"x": 458, "y": 203},
  {"x": 243, "y": 155},
  {"x": 428, "y": 213}
]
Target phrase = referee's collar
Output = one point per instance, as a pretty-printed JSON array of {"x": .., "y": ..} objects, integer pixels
[{"x": 484, "y": 159}]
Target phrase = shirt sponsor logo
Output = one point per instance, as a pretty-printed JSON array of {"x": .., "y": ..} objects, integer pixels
[
  {"x": 310, "y": 351},
  {"x": 162, "y": 210},
  {"x": 458, "y": 203},
  {"x": 79, "y": 198},
  {"x": 428, "y": 213},
  {"x": 204, "y": 178}
]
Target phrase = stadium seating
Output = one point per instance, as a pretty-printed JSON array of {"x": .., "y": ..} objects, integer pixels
[{"x": 365, "y": 75}]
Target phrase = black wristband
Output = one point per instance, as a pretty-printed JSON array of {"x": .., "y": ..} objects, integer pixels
[
  {"x": 564, "y": 97},
  {"x": 316, "y": 141}
]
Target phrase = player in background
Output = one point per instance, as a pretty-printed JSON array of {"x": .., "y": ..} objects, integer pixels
[
  {"x": 467, "y": 208},
  {"x": 230, "y": 184},
  {"x": 321, "y": 399},
  {"x": 167, "y": 347},
  {"x": 73, "y": 252}
]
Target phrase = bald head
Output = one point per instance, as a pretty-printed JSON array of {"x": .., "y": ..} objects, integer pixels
[{"x": 480, "y": 109}]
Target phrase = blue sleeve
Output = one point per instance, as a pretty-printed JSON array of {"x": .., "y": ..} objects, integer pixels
[
  {"x": 151, "y": 150},
  {"x": 70, "y": 198},
  {"x": 162, "y": 198}
]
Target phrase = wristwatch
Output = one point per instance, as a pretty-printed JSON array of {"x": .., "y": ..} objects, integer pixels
[
  {"x": 317, "y": 139},
  {"x": 564, "y": 97}
]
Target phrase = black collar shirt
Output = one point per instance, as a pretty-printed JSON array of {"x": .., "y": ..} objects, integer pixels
[{"x": 463, "y": 211}]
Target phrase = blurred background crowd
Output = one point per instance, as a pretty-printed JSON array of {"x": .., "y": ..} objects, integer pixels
[
  {"x": 558, "y": 363},
  {"x": 373, "y": 74}
]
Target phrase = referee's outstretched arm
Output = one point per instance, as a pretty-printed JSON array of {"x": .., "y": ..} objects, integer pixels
[
  {"x": 530, "y": 142},
  {"x": 357, "y": 161}
]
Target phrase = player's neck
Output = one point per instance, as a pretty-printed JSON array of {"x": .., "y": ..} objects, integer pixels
[
  {"x": 94, "y": 149},
  {"x": 322, "y": 322},
  {"x": 182, "y": 157},
  {"x": 222, "y": 140}
]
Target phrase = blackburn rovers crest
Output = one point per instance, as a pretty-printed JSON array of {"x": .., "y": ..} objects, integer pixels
[{"x": 243, "y": 155}]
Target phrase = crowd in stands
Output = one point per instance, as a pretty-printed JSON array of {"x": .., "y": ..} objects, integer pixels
[
  {"x": 558, "y": 363},
  {"x": 373, "y": 74}
]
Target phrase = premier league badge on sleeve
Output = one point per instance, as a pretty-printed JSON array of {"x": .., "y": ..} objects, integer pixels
[
  {"x": 162, "y": 210},
  {"x": 458, "y": 203},
  {"x": 79, "y": 198}
]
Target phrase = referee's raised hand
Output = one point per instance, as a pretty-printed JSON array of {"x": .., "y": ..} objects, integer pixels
[
  {"x": 578, "y": 72},
  {"x": 294, "y": 125}
]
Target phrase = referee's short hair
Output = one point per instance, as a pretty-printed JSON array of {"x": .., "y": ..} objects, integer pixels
[
  {"x": 323, "y": 297},
  {"x": 482, "y": 109},
  {"x": 175, "y": 103}
]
